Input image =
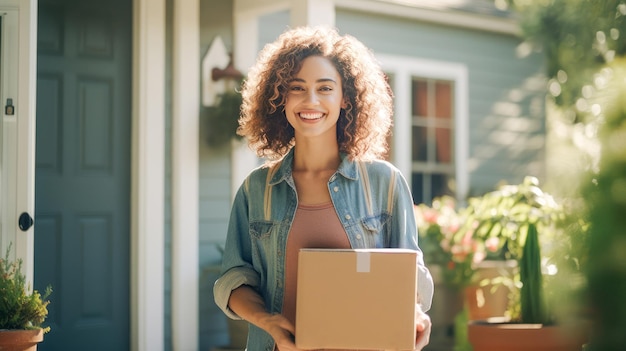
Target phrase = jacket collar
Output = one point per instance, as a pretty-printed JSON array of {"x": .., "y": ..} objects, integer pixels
[{"x": 281, "y": 170}]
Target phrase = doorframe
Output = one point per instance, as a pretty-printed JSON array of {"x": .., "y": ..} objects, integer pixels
[
  {"x": 148, "y": 176},
  {"x": 20, "y": 65}
]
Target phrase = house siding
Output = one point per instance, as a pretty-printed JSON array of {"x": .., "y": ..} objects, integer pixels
[
  {"x": 214, "y": 200},
  {"x": 271, "y": 26}
]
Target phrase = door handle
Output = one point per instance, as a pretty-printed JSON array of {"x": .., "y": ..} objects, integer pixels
[{"x": 25, "y": 221}]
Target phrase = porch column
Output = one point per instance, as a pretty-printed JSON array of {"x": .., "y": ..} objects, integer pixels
[
  {"x": 148, "y": 176},
  {"x": 185, "y": 159}
]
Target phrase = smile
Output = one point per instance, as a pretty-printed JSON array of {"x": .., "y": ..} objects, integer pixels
[{"x": 311, "y": 116}]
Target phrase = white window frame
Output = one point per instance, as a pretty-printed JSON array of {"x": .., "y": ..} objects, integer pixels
[{"x": 403, "y": 69}]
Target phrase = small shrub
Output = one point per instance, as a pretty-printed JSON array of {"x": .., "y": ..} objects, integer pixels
[{"x": 20, "y": 309}]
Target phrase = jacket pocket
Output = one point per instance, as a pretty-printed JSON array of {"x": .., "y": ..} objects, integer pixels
[
  {"x": 375, "y": 224},
  {"x": 261, "y": 229},
  {"x": 375, "y": 230}
]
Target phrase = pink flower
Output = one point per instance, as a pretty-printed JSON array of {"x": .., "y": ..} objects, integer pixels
[
  {"x": 479, "y": 257},
  {"x": 492, "y": 244},
  {"x": 453, "y": 228},
  {"x": 467, "y": 238},
  {"x": 430, "y": 216},
  {"x": 458, "y": 253}
]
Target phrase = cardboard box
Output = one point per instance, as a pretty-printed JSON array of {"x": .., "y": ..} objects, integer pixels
[{"x": 356, "y": 299}]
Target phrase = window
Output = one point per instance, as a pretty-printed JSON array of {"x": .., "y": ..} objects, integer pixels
[
  {"x": 430, "y": 133},
  {"x": 432, "y": 139}
]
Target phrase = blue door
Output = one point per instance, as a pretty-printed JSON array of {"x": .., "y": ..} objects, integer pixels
[{"x": 82, "y": 182}]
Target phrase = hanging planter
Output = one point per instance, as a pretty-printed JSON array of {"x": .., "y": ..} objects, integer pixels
[
  {"x": 222, "y": 119},
  {"x": 223, "y": 116}
]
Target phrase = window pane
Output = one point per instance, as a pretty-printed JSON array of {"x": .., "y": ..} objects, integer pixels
[
  {"x": 420, "y": 98},
  {"x": 443, "y": 99},
  {"x": 419, "y": 140},
  {"x": 426, "y": 187},
  {"x": 441, "y": 185},
  {"x": 443, "y": 145}
]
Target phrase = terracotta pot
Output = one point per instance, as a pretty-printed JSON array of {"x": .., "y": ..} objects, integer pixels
[
  {"x": 489, "y": 301},
  {"x": 523, "y": 337},
  {"x": 20, "y": 340}
]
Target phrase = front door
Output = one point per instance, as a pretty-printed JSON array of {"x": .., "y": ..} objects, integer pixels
[{"x": 82, "y": 182}]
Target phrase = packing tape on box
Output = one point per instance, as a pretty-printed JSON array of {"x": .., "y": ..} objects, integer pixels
[{"x": 362, "y": 262}]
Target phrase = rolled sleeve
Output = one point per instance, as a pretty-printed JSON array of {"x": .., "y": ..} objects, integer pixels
[
  {"x": 229, "y": 281},
  {"x": 425, "y": 288}
]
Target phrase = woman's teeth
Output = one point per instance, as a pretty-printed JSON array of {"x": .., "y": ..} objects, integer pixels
[{"x": 311, "y": 115}]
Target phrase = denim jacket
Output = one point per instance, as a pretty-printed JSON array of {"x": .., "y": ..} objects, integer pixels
[{"x": 374, "y": 205}]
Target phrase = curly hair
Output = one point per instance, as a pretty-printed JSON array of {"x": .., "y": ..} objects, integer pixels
[{"x": 363, "y": 126}]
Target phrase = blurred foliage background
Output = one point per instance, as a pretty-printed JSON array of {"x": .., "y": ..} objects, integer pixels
[
  {"x": 584, "y": 42},
  {"x": 578, "y": 37}
]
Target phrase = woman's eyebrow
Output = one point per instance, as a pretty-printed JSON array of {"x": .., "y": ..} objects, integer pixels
[{"x": 321, "y": 80}]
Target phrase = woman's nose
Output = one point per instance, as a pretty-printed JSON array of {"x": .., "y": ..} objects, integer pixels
[{"x": 311, "y": 97}]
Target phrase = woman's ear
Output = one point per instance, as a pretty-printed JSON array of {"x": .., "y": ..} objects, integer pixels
[{"x": 343, "y": 103}]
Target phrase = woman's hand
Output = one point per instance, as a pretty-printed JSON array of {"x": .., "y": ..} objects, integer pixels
[
  {"x": 281, "y": 330},
  {"x": 422, "y": 328},
  {"x": 248, "y": 304}
]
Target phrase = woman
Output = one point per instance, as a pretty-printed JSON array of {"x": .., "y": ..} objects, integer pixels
[{"x": 318, "y": 106}]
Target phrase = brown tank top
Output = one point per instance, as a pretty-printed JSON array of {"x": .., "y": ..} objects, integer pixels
[{"x": 314, "y": 226}]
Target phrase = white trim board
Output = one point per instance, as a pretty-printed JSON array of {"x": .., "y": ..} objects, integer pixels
[
  {"x": 403, "y": 68},
  {"x": 147, "y": 176},
  {"x": 185, "y": 174}
]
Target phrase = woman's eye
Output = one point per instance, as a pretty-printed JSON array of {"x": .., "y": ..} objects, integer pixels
[
  {"x": 296, "y": 88},
  {"x": 326, "y": 88}
]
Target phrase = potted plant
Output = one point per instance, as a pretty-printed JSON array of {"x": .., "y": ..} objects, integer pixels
[
  {"x": 22, "y": 312},
  {"x": 523, "y": 219},
  {"x": 462, "y": 265}
]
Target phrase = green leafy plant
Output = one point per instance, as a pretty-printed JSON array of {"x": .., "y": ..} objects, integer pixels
[
  {"x": 519, "y": 219},
  {"x": 20, "y": 309}
]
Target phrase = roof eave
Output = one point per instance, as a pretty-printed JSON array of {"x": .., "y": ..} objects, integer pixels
[{"x": 496, "y": 24}]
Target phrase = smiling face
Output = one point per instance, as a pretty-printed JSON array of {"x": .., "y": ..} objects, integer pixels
[{"x": 314, "y": 99}]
